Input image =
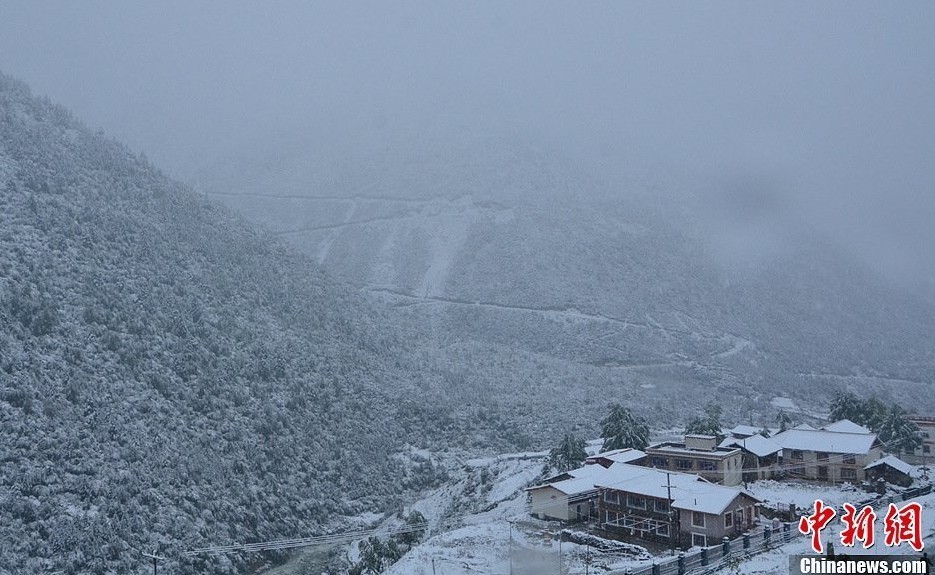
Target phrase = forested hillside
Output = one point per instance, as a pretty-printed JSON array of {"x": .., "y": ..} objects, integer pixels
[
  {"x": 562, "y": 280},
  {"x": 171, "y": 378}
]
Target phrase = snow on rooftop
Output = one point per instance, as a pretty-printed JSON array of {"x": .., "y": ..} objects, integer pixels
[
  {"x": 804, "y": 426},
  {"x": 894, "y": 462},
  {"x": 845, "y": 426},
  {"x": 680, "y": 449},
  {"x": 580, "y": 480},
  {"x": 827, "y": 441},
  {"x": 625, "y": 455},
  {"x": 689, "y": 492},
  {"x": 747, "y": 430},
  {"x": 755, "y": 444}
]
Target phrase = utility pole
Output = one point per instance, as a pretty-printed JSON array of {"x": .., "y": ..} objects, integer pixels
[
  {"x": 433, "y": 566},
  {"x": 511, "y": 546},
  {"x": 587, "y": 558},
  {"x": 671, "y": 513},
  {"x": 155, "y": 559},
  {"x": 559, "y": 552}
]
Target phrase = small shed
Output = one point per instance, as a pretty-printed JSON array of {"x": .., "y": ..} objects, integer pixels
[{"x": 891, "y": 469}]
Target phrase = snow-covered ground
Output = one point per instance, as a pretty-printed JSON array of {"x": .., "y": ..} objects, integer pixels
[
  {"x": 779, "y": 494},
  {"x": 472, "y": 532}
]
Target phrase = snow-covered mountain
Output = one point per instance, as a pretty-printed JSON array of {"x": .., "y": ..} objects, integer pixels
[
  {"x": 593, "y": 288},
  {"x": 172, "y": 378}
]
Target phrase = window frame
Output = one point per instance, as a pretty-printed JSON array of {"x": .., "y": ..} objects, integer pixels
[{"x": 631, "y": 497}]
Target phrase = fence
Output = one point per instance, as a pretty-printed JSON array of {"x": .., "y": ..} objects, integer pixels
[{"x": 709, "y": 559}]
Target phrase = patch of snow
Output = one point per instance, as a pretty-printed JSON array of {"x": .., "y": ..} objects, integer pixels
[{"x": 784, "y": 403}]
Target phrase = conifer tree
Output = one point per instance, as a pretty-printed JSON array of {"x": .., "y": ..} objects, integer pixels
[
  {"x": 569, "y": 454},
  {"x": 622, "y": 429}
]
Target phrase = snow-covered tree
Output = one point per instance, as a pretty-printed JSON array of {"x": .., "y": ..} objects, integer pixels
[
  {"x": 784, "y": 421},
  {"x": 846, "y": 405},
  {"x": 568, "y": 454},
  {"x": 621, "y": 429},
  {"x": 710, "y": 424},
  {"x": 898, "y": 433},
  {"x": 415, "y": 527},
  {"x": 867, "y": 412}
]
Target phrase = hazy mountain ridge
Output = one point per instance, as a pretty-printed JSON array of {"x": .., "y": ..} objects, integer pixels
[
  {"x": 529, "y": 252},
  {"x": 170, "y": 378}
]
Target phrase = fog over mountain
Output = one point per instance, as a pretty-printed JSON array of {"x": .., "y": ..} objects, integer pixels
[{"x": 825, "y": 106}]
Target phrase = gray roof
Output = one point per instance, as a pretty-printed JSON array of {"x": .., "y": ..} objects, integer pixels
[
  {"x": 827, "y": 441},
  {"x": 755, "y": 444},
  {"x": 892, "y": 461},
  {"x": 689, "y": 492},
  {"x": 846, "y": 426}
]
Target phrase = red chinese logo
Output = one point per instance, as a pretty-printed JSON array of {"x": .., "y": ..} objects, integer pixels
[
  {"x": 899, "y": 525},
  {"x": 815, "y": 522},
  {"x": 858, "y": 526},
  {"x": 904, "y": 525}
]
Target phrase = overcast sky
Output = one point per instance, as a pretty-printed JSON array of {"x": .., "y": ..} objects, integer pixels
[{"x": 828, "y": 107}]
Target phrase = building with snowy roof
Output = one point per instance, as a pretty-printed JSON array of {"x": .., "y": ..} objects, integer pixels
[
  {"x": 698, "y": 454},
  {"x": 608, "y": 458},
  {"x": 825, "y": 455},
  {"x": 760, "y": 456},
  {"x": 846, "y": 426},
  {"x": 890, "y": 469},
  {"x": 673, "y": 507}
]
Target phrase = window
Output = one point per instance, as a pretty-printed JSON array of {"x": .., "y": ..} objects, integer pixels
[
  {"x": 697, "y": 519},
  {"x": 822, "y": 456},
  {"x": 662, "y": 462},
  {"x": 660, "y": 505},
  {"x": 611, "y": 517},
  {"x": 849, "y": 459},
  {"x": 729, "y": 519},
  {"x": 797, "y": 455},
  {"x": 636, "y": 502},
  {"x": 684, "y": 464},
  {"x": 611, "y": 497},
  {"x": 705, "y": 465},
  {"x": 629, "y": 521},
  {"x": 699, "y": 540},
  {"x": 926, "y": 449},
  {"x": 662, "y": 530},
  {"x": 848, "y": 473},
  {"x": 822, "y": 472}
]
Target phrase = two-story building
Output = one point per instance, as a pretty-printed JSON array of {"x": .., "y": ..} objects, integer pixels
[
  {"x": 828, "y": 455},
  {"x": 760, "y": 456},
  {"x": 676, "y": 508},
  {"x": 698, "y": 454}
]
